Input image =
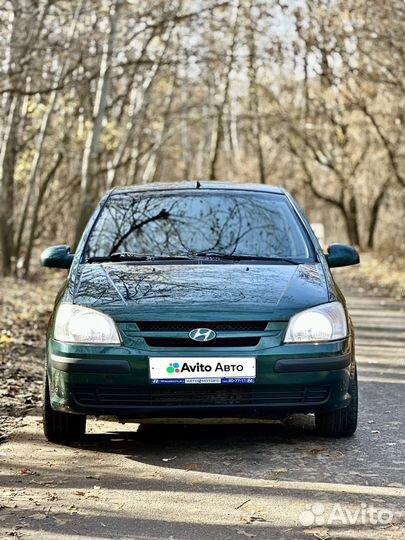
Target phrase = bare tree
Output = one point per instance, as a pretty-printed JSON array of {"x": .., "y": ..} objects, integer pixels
[
  {"x": 43, "y": 130},
  {"x": 89, "y": 164},
  {"x": 254, "y": 89},
  {"x": 305, "y": 94},
  {"x": 218, "y": 132},
  {"x": 23, "y": 30}
]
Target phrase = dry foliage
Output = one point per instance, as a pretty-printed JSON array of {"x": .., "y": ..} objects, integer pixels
[{"x": 24, "y": 312}]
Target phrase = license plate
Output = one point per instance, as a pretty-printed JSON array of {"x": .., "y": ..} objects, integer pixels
[{"x": 169, "y": 370}]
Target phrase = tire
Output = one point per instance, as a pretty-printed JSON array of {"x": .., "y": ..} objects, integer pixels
[
  {"x": 60, "y": 427},
  {"x": 343, "y": 422}
]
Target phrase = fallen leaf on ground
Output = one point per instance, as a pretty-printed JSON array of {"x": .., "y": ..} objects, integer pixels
[
  {"x": 191, "y": 466},
  {"x": 254, "y": 516},
  {"x": 390, "y": 534},
  {"x": 28, "y": 472},
  {"x": 321, "y": 534}
]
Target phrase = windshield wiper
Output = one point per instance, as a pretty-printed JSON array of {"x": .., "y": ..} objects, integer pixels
[
  {"x": 231, "y": 257},
  {"x": 192, "y": 255},
  {"x": 127, "y": 256}
]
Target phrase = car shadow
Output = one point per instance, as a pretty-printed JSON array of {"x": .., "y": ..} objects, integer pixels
[
  {"x": 196, "y": 436},
  {"x": 254, "y": 450}
]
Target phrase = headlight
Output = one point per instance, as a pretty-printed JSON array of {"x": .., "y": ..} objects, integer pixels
[
  {"x": 78, "y": 324},
  {"x": 321, "y": 323}
]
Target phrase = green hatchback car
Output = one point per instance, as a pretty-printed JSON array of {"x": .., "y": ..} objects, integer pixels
[{"x": 199, "y": 300}]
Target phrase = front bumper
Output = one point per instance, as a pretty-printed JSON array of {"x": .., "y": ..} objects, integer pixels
[{"x": 115, "y": 382}]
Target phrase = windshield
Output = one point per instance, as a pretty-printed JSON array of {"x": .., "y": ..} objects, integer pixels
[{"x": 185, "y": 224}]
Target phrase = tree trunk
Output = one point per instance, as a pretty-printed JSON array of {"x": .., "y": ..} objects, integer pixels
[
  {"x": 25, "y": 25},
  {"x": 186, "y": 133},
  {"x": 154, "y": 165},
  {"x": 350, "y": 216},
  {"x": 253, "y": 95},
  {"x": 39, "y": 146},
  {"x": 8, "y": 154},
  {"x": 374, "y": 213},
  {"x": 136, "y": 103},
  {"x": 87, "y": 188},
  {"x": 35, "y": 215},
  {"x": 219, "y": 128}
]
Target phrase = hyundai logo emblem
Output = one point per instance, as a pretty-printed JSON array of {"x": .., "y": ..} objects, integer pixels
[{"x": 202, "y": 334}]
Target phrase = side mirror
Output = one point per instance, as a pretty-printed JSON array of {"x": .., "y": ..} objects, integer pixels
[
  {"x": 57, "y": 257},
  {"x": 341, "y": 255}
]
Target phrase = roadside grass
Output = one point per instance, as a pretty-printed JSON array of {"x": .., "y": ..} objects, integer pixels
[{"x": 376, "y": 275}]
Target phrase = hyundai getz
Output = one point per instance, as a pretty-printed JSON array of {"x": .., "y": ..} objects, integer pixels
[{"x": 199, "y": 300}]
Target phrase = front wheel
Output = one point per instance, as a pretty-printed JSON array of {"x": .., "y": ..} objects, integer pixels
[
  {"x": 60, "y": 427},
  {"x": 343, "y": 422}
]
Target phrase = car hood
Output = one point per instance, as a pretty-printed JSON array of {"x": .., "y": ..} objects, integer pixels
[{"x": 199, "y": 291}]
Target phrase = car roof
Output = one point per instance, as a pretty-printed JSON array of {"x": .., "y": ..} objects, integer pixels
[{"x": 199, "y": 184}]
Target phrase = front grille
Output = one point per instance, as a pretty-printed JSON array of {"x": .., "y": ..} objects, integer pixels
[
  {"x": 180, "y": 326},
  {"x": 151, "y": 396},
  {"x": 190, "y": 343}
]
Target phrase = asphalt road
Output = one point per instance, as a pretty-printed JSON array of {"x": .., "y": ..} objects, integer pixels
[{"x": 208, "y": 482}]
